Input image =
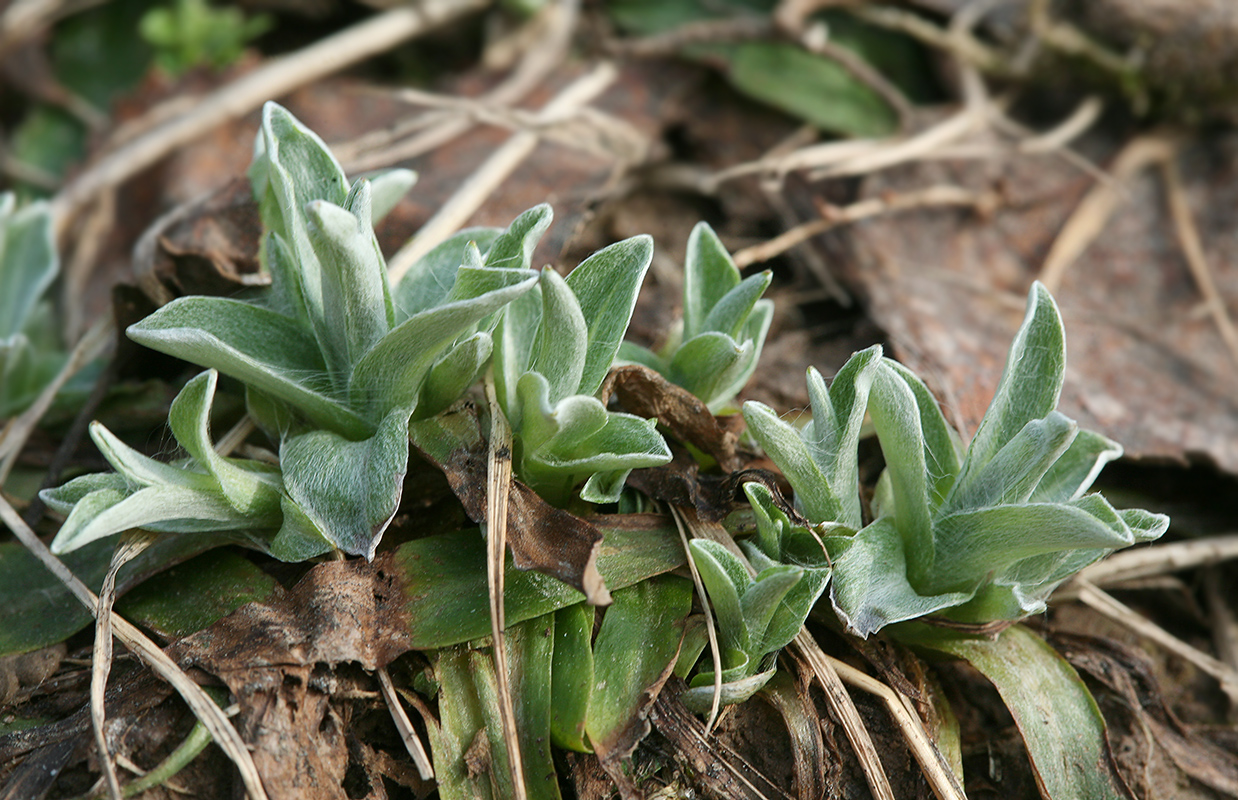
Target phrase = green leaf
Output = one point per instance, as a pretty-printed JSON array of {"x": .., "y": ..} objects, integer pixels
[
  {"x": 606, "y": 285},
  {"x": 350, "y": 490},
  {"x": 513, "y": 350},
  {"x": 446, "y": 598},
  {"x": 942, "y": 448},
  {"x": 461, "y": 723},
  {"x": 513, "y": 249},
  {"x": 896, "y": 418},
  {"x": 707, "y": 364},
  {"x": 727, "y": 582},
  {"x": 870, "y": 589},
  {"x": 571, "y": 676},
  {"x": 1060, "y": 722},
  {"x": 61, "y": 499},
  {"x": 700, "y": 699},
  {"x": 139, "y": 470},
  {"x": 392, "y": 373},
  {"x": 833, "y": 435},
  {"x": 761, "y": 601},
  {"x": 1030, "y": 384},
  {"x": 251, "y": 489},
  {"x": 814, "y": 88},
  {"x": 635, "y": 354},
  {"x": 259, "y": 347},
  {"x": 194, "y": 595},
  {"x": 783, "y": 444},
  {"x": 562, "y": 338},
  {"x": 1014, "y": 472},
  {"x": 453, "y": 375},
  {"x": 354, "y": 277},
  {"x": 389, "y": 187},
  {"x": 730, "y": 313},
  {"x": 429, "y": 282},
  {"x": 635, "y": 650},
  {"x": 28, "y": 261},
  {"x": 530, "y": 653},
  {"x": 709, "y": 275},
  {"x": 1073, "y": 473},
  {"x": 165, "y": 509},
  {"x": 787, "y": 616},
  {"x": 972, "y": 544}
]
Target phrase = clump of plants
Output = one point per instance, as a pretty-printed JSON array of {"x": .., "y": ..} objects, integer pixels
[{"x": 337, "y": 364}]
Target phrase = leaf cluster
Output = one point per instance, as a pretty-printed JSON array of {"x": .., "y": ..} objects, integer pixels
[
  {"x": 977, "y": 534},
  {"x": 724, "y": 325}
]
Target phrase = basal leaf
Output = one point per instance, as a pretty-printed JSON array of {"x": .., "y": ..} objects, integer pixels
[
  {"x": 633, "y": 655},
  {"x": 606, "y": 284},
  {"x": 257, "y": 346},
  {"x": 349, "y": 490},
  {"x": 513, "y": 350},
  {"x": 942, "y": 448},
  {"x": 1060, "y": 722},
  {"x": 761, "y": 602},
  {"x": 571, "y": 676},
  {"x": 707, "y": 364},
  {"x": 700, "y": 699}
]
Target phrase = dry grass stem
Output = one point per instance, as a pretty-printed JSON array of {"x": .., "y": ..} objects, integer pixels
[
  {"x": 834, "y": 216},
  {"x": 710, "y": 629},
  {"x": 1079, "y": 122},
  {"x": 498, "y": 489},
  {"x": 941, "y": 778},
  {"x": 1109, "y": 606},
  {"x": 436, "y": 128},
  {"x": 88, "y": 348},
  {"x": 412, "y": 742},
  {"x": 209, "y": 714},
  {"x": 131, "y": 545},
  {"x": 472, "y": 194},
  {"x": 91, "y": 235},
  {"x": 276, "y": 78},
  {"x": 1093, "y": 212},
  {"x": 1157, "y": 560},
  {"x": 1193, "y": 252}
]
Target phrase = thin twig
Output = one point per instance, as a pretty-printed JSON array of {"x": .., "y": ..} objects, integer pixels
[
  {"x": 1224, "y": 628},
  {"x": 412, "y": 742},
  {"x": 498, "y": 492},
  {"x": 1193, "y": 252},
  {"x": 18, "y": 430},
  {"x": 502, "y": 162},
  {"x": 1155, "y": 560},
  {"x": 710, "y": 629},
  {"x": 1093, "y": 212},
  {"x": 224, "y": 734},
  {"x": 276, "y": 78},
  {"x": 834, "y": 216},
  {"x": 1100, "y": 600},
  {"x": 383, "y": 148}
]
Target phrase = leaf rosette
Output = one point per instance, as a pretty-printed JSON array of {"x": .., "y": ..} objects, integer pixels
[
  {"x": 335, "y": 366},
  {"x": 974, "y": 535},
  {"x": 725, "y": 321},
  {"x": 553, "y": 349}
]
